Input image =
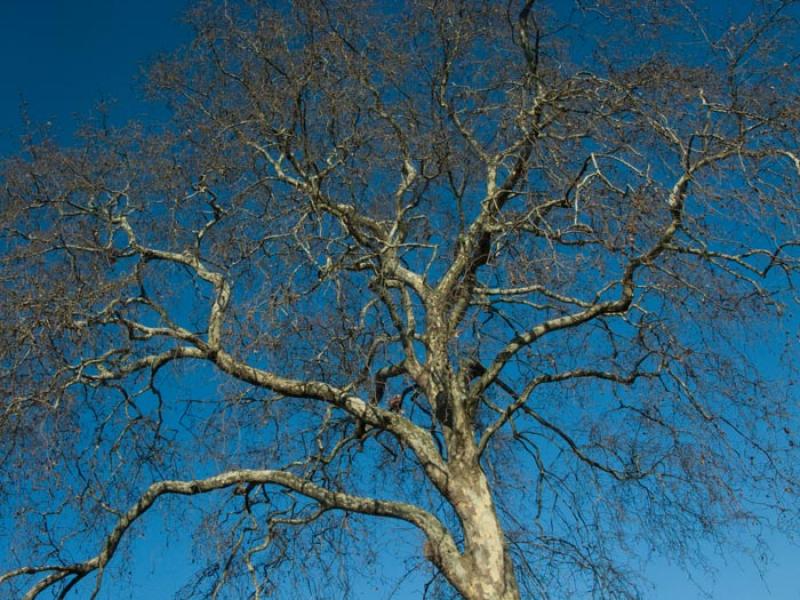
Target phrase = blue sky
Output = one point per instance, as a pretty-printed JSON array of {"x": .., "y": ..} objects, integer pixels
[{"x": 62, "y": 58}]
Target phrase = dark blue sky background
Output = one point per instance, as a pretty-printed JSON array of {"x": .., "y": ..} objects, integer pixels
[{"x": 62, "y": 58}]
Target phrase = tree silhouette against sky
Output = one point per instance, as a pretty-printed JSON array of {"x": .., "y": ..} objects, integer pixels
[{"x": 515, "y": 277}]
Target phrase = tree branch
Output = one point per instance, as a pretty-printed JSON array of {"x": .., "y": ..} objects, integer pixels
[{"x": 423, "y": 520}]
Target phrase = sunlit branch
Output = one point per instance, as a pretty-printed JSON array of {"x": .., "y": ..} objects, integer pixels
[{"x": 427, "y": 523}]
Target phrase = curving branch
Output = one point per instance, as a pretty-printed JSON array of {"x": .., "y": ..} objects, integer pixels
[
  {"x": 522, "y": 398},
  {"x": 675, "y": 203},
  {"x": 436, "y": 534}
]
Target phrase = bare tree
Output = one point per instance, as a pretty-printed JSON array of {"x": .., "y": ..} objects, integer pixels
[{"x": 514, "y": 274}]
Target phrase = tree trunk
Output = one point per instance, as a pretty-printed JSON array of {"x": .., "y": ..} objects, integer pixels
[{"x": 488, "y": 567}]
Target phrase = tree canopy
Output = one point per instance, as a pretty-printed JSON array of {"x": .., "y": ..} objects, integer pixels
[{"x": 519, "y": 276}]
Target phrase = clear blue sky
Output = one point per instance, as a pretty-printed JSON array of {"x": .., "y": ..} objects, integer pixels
[{"x": 64, "y": 57}]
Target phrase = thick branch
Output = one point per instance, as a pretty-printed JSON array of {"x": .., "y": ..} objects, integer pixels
[{"x": 426, "y": 522}]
